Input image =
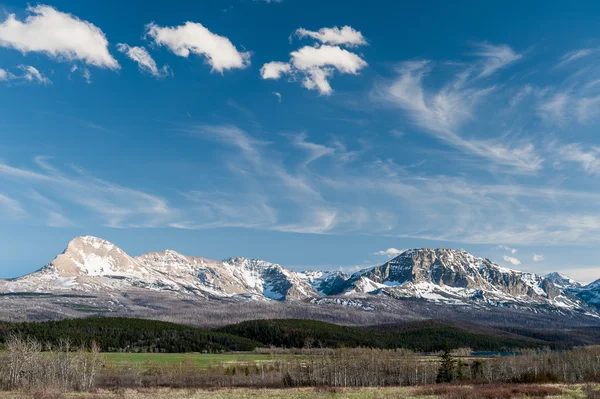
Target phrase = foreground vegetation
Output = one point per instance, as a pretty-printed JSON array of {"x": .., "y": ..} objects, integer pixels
[
  {"x": 23, "y": 365},
  {"x": 492, "y": 391}
]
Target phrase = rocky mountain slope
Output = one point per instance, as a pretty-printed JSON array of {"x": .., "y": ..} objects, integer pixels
[
  {"x": 589, "y": 294},
  {"x": 456, "y": 276},
  {"x": 108, "y": 278},
  {"x": 93, "y": 265}
]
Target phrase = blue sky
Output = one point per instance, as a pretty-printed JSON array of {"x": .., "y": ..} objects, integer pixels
[{"x": 308, "y": 133}]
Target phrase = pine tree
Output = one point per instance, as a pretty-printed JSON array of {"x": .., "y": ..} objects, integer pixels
[
  {"x": 446, "y": 372},
  {"x": 460, "y": 373}
]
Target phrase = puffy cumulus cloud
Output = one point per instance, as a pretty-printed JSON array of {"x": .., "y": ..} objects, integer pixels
[
  {"x": 144, "y": 60},
  {"x": 336, "y": 36},
  {"x": 314, "y": 66},
  {"x": 391, "y": 252},
  {"x": 309, "y": 58},
  {"x": 275, "y": 69},
  {"x": 538, "y": 258},
  {"x": 60, "y": 35},
  {"x": 511, "y": 260},
  {"x": 31, "y": 74},
  {"x": 193, "y": 37}
]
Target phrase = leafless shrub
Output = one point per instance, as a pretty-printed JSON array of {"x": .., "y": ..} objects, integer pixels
[{"x": 23, "y": 365}]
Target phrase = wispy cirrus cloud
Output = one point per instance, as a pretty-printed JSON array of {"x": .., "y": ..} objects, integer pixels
[
  {"x": 144, "y": 60},
  {"x": 506, "y": 248},
  {"x": 575, "y": 55},
  {"x": 494, "y": 57},
  {"x": 32, "y": 74},
  {"x": 444, "y": 112},
  {"x": 112, "y": 204},
  {"x": 27, "y": 73},
  {"x": 12, "y": 206}
]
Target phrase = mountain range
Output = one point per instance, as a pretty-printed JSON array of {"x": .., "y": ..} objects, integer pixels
[{"x": 94, "y": 275}]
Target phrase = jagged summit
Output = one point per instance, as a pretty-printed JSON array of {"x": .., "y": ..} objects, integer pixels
[
  {"x": 91, "y": 265},
  {"x": 562, "y": 280},
  {"x": 91, "y": 256}
]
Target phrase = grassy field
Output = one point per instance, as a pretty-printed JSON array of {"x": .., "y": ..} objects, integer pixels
[
  {"x": 201, "y": 359},
  {"x": 432, "y": 392}
]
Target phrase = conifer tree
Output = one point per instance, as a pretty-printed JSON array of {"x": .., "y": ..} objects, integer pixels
[{"x": 446, "y": 372}]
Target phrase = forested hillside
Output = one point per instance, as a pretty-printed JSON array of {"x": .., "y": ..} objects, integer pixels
[
  {"x": 421, "y": 337},
  {"x": 140, "y": 335},
  {"x": 131, "y": 335}
]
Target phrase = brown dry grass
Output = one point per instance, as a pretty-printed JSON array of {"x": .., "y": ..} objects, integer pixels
[{"x": 489, "y": 391}]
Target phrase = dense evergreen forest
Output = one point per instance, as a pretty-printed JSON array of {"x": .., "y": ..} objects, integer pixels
[
  {"x": 129, "y": 335},
  {"x": 420, "y": 336},
  {"x": 140, "y": 335}
]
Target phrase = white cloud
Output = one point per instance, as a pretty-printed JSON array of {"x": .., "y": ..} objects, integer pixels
[
  {"x": 506, "y": 248},
  {"x": 345, "y": 36},
  {"x": 575, "y": 55},
  {"x": 193, "y": 37},
  {"x": 391, "y": 252},
  {"x": 86, "y": 75},
  {"x": 308, "y": 58},
  {"x": 511, "y": 260},
  {"x": 144, "y": 60},
  {"x": 588, "y": 159},
  {"x": 274, "y": 70},
  {"x": 314, "y": 150},
  {"x": 12, "y": 206},
  {"x": 538, "y": 258},
  {"x": 5, "y": 75},
  {"x": 317, "y": 79},
  {"x": 587, "y": 109},
  {"x": 112, "y": 204},
  {"x": 554, "y": 109},
  {"x": 443, "y": 112},
  {"x": 31, "y": 74},
  {"x": 315, "y": 66},
  {"x": 495, "y": 57},
  {"x": 59, "y": 35}
]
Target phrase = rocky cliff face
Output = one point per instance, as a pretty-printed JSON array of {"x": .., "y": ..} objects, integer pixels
[
  {"x": 455, "y": 276},
  {"x": 590, "y": 293},
  {"x": 94, "y": 266}
]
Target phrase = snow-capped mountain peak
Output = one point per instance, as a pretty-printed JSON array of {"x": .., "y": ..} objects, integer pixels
[
  {"x": 91, "y": 265},
  {"x": 562, "y": 281}
]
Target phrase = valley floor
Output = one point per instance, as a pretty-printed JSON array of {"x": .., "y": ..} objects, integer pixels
[{"x": 488, "y": 391}]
